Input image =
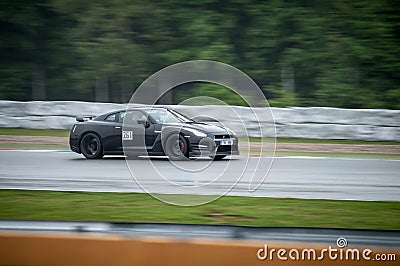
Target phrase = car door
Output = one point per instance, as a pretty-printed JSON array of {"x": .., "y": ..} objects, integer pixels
[
  {"x": 108, "y": 134},
  {"x": 134, "y": 131}
]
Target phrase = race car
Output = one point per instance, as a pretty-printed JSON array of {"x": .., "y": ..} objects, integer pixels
[{"x": 151, "y": 131}]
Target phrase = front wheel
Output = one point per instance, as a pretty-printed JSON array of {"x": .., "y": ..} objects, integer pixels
[
  {"x": 176, "y": 147},
  {"x": 91, "y": 146}
]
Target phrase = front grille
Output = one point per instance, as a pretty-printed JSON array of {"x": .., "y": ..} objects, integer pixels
[
  {"x": 226, "y": 136},
  {"x": 223, "y": 148}
]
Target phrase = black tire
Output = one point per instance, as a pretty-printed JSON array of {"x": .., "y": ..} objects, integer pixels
[
  {"x": 91, "y": 146},
  {"x": 219, "y": 157},
  {"x": 176, "y": 147}
]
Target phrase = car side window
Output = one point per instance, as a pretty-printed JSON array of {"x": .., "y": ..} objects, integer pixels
[
  {"x": 110, "y": 118},
  {"x": 163, "y": 116},
  {"x": 121, "y": 116},
  {"x": 134, "y": 116},
  {"x": 131, "y": 116}
]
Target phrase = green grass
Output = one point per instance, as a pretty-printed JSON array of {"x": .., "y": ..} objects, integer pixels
[
  {"x": 34, "y": 132},
  {"x": 339, "y": 155},
  {"x": 65, "y": 133},
  {"x": 134, "y": 207},
  {"x": 321, "y": 141},
  {"x": 17, "y": 146}
]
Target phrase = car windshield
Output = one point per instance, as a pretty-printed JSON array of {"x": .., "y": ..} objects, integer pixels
[{"x": 168, "y": 116}]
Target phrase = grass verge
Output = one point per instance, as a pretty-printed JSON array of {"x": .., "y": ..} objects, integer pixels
[
  {"x": 16, "y": 146},
  {"x": 136, "y": 207},
  {"x": 321, "y": 141},
  {"x": 34, "y": 132},
  {"x": 65, "y": 133},
  {"x": 338, "y": 155}
]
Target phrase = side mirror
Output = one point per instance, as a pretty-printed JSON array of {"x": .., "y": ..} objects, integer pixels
[{"x": 144, "y": 122}]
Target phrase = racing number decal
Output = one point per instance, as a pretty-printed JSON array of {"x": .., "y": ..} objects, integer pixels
[{"x": 127, "y": 135}]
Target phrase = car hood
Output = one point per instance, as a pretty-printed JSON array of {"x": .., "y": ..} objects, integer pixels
[{"x": 207, "y": 128}]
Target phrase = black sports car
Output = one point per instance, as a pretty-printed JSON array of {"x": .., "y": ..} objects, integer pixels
[{"x": 150, "y": 131}]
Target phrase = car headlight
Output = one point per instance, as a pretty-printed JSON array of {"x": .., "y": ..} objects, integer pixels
[
  {"x": 196, "y": 132},
  {"x": 231, "y": 132}
]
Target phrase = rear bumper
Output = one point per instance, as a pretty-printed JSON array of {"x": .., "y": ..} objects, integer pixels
[{"x": 74, "y": 144}]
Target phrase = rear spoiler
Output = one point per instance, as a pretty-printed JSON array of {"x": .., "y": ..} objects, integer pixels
[{"x": 83, "y": 118}]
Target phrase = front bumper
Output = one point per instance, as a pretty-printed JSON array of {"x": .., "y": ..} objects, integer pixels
[{"x": 211, "y": 147}]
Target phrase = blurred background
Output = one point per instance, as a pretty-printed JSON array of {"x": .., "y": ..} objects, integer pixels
[{"x": 301, "y": 53}]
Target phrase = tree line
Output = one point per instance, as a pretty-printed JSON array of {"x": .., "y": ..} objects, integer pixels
[{"x": 340, "y": 53}]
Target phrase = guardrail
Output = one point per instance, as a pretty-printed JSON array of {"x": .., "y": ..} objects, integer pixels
[
  {"x": 294, "y": 122},
  {"x": 189, "y": 231},
  {"x": 84, "y": 243}
]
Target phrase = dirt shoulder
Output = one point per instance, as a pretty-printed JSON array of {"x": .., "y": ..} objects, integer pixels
[
  {"x": 33, "y": 140},
  {"x": 334, "y": 148},
  {"x": 280, "y": 147}
]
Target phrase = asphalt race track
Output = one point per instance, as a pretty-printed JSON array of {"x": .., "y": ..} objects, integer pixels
[{"x": 322, "y": 178}]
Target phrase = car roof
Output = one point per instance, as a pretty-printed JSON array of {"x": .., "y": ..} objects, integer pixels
[
  {"x": 130, "y": 109},
  {"x": 140, "y": 108}
]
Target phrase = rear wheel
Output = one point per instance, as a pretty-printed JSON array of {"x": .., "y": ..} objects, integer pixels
[
  {"x": 176, "y": 147},
  {"x": 91, "y": 146}
]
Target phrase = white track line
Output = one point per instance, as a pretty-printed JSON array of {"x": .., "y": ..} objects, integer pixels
[{"x": 240, "y": 156}]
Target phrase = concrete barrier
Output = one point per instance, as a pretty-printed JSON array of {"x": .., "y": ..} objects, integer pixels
[
  {"x": 95, "y": 249},
  {"x": 294, "y": 122}
]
